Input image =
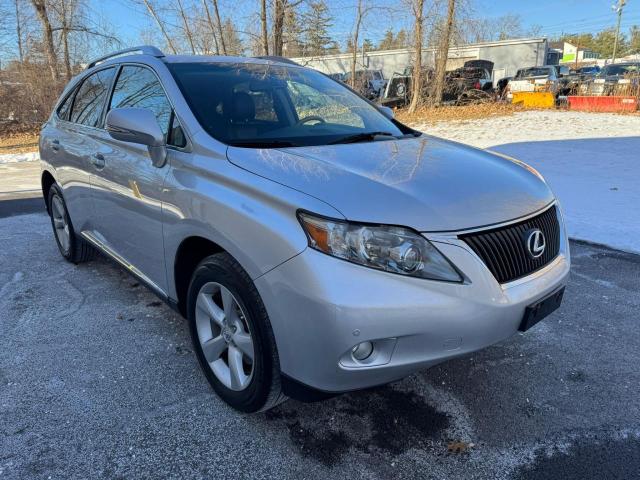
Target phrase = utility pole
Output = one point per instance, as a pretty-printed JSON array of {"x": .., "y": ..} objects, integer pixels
[{"x": 618, "y": 9}]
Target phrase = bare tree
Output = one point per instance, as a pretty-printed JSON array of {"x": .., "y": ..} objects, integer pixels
[
  {"x": 47, "y": 36},
  {"x": 211, "y": 26},
  {"x": 361, "y": 11},
  {"x": 277, "y": 28},
  {"x": 19, "y": 33},
  {"x": 154, "y": 15},
  {"x": 263, "y": 22},
  {"x": 185, "y": 26},
  {"x": 443, "y": 54},
  {"x": 217, "y": 12},
  {"x": 417, "y": 7}
]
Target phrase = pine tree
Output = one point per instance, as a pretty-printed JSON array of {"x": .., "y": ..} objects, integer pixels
[
  {"x": 387, "y": 42},
  {"x": 293, "y": 31},
  {"x": 231, "y": 39},
  {"x": 401, "y": 40},
  {"x": 317, "y": 21}
]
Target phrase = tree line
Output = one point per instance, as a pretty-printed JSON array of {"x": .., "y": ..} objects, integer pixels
[{"x": 62, "y": 35}]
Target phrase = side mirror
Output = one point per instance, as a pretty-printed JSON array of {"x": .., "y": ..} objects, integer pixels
[
  {"x": 138, "y": 125},
  {"x": 387, "y": 112}
]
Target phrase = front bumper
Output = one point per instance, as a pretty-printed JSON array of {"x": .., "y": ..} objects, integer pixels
[{"x": 320, "y": 307}]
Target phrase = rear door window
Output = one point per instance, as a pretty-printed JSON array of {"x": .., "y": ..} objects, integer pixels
[
  {"x": 138, "y": 87},
  {"x": 88, "y": 104}
]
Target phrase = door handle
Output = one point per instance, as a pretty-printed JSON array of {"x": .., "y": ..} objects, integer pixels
[
  {"x": 98, "y": 161},
  {"x": 55, "y": 145}
]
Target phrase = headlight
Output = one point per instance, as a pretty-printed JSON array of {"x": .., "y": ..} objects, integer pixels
[{"x": 392, "y": 249}]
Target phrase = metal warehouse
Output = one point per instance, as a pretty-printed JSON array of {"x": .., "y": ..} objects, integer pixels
[{"x": 507, "y": 55}]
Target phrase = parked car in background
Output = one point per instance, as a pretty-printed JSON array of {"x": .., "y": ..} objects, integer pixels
[
  {"x": 465, "y": 82},
  {"x": 615, "y": 79},
  {"x": 399, "y": 88},
  {"x": 315, "y": 244},
  {"x": 501, "y": 86},
  {"x": 475, "y": 75},
  {"x": 535, "y": 79},
  {"x": 589, "y": 71},
  {"x": 370, "y": 83},
  {"x": 337, "y": 76}
]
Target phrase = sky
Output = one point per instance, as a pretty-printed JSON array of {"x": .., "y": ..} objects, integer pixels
[{"x": 553, "y": 16}]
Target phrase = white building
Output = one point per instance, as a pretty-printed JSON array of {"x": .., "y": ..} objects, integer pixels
[{"x": 507, "y": 55}]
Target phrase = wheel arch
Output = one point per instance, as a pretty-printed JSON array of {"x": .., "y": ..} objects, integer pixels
[
  {"x": 46, "y": 181},
  {"x": 191, "y": 251}
]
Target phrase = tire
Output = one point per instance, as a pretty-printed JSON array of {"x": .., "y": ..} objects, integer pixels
[
  {"x": 73, "y": 248},
  {"x": 255, "y": 386}
]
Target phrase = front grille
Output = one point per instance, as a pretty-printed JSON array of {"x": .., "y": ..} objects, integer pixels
[{"x": 504, "y": 249}]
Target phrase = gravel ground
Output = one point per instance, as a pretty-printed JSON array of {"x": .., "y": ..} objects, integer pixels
[{"x": 98, "y": 380}]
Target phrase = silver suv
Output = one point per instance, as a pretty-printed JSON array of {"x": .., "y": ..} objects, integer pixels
[{"x": 315, "y": 244}]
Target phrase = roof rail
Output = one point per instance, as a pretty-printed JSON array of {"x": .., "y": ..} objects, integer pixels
[
  {"x": 143, "y": 49},
  {"x": 275, "y": 58}
]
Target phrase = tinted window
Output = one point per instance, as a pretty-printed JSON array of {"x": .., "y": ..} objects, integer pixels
[
  {"x": 621, "y": 69},
  {"x": 89, "y": 101},
  {"x": 138, "y": 87},
  {"x": 176, "y": 134},
  {"x": 533, "y": 72},
  {"x": 264, "y": 105},
  {"x": 65, "y": 108}
]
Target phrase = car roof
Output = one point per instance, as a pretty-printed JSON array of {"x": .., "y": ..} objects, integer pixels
[
  {"x": 172, "y": 59},
  {"x": 623, "y": 64}
]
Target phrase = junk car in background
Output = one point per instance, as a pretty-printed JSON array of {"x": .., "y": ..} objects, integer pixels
[
  {"x": 461, "y": 84},
  {"x": 535, "y": 79},
  {"x": 614, "y": 79},
  {"x": 369, "y": 83}
]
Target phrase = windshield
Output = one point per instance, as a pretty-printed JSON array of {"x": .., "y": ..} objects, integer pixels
[
  {"x": 263, "y": 105},
  {"x": 533, "y": 72},
  {"x": 621, "y": 69}
]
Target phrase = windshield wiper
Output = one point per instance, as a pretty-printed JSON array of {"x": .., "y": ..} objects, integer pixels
[
  {"x": 362, "y": 137},
  {"x": 255, "y": 143}
]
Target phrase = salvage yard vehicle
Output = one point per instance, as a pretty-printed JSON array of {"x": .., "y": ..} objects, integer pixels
[
  {"x": 474, "y": 75},
  {"x": 399, "y": 88},
  {"x": 369, "y": 83},
  {"x": 535, "y": 79},
  {"x": 315, "y": 244},
  {"x": 465, "y": 83},
  {"x": 615, "y": 79}
]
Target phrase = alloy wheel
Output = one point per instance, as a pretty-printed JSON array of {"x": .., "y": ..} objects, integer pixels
[{"x": 225, "y": 336}]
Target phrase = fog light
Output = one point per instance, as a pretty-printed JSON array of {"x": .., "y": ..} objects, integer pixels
[{"x": 362, "y": 351}]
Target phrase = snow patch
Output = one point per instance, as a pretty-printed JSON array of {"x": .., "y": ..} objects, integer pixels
[
  {"x": 19, "y": 157},
  {"x": 590, "y": 160}
]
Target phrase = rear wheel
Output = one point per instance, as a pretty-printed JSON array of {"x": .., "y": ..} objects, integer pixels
[
  {"x": 73, "y": 248},
  {"x": 232, "y": 335}
]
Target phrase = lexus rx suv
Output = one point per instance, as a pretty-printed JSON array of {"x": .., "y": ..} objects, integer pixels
[{"x": 315, "y": 244}]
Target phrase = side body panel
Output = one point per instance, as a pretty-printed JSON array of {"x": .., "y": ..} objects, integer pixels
[
  {"x": 63, "y": 151},
  {"x": 127, "y": 201}
]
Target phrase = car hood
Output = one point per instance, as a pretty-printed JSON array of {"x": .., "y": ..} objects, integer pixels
[{"x": 425, "y": 183}]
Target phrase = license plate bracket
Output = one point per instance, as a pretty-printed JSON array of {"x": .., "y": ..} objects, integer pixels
[{"x": 541, "y": 309}]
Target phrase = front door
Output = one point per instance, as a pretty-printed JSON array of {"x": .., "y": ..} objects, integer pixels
[{"x": 126, "y": 187}]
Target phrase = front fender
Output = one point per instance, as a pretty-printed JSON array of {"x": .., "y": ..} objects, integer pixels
[{"x": 252, "y": 218}]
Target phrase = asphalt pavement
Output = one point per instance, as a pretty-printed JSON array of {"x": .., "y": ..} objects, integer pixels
[{"x": 98, "y": 380}]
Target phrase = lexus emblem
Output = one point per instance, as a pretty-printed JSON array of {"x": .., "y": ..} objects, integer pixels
[{"x": 535, "y": 242}]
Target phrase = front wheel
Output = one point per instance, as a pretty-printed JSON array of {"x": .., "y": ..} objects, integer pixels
[{"x": 232, "y": 335}]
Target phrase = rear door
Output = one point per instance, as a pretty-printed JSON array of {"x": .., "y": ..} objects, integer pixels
[
  {"x": 72, "y": 138},
  {"x": 127, "y": 189}
]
